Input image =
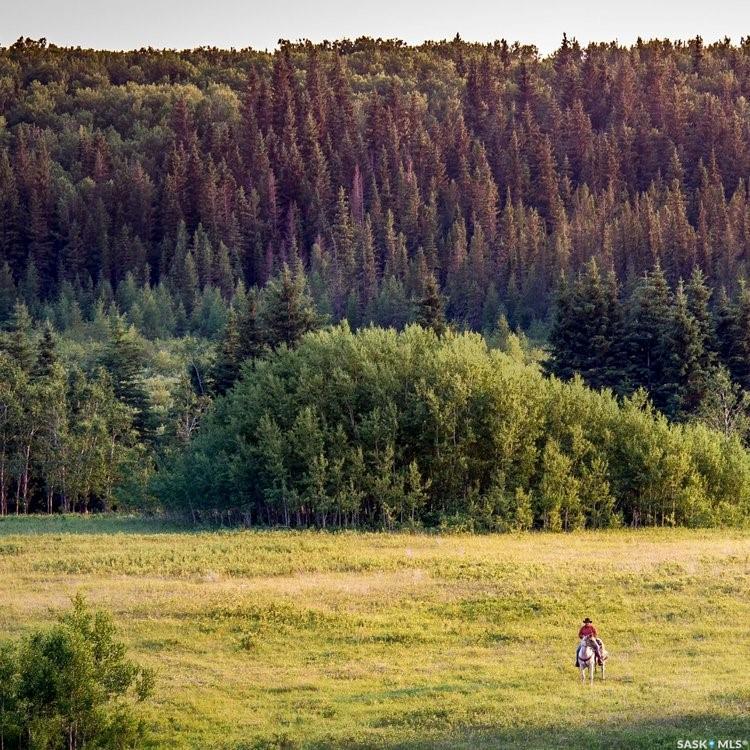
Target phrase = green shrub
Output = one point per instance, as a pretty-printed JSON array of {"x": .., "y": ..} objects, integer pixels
[
  {"x": 379, "y": 428},
  {"x": 71, "y": 686}
]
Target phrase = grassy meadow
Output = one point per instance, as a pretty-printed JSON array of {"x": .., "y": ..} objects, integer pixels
[{"x": 279, "y": 639}]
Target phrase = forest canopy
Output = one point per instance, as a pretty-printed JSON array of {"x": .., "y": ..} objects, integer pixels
[
  {"x": 196, "y": 244},
  {"x": 375, "y": 164}
]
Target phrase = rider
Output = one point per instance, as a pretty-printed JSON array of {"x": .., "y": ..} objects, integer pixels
[{"x": 588, "y": 629}]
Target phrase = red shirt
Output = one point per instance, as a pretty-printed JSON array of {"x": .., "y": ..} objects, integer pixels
[{"x": 587, "y": 629}]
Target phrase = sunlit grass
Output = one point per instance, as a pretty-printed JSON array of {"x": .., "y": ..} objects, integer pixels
[{"x": 283, "y": 639}]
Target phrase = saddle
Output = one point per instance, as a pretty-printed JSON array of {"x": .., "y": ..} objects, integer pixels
[{"x": 600, "y": 651}]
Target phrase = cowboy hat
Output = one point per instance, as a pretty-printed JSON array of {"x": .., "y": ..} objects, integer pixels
[{"x": 588, "y": 619}]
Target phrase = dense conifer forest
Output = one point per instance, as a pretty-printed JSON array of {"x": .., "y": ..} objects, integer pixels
[{"x": 175, "y": 226}]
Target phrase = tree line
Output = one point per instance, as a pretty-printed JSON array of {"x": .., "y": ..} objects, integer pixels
[
  {"x": 288, "y": 421},
  {"x": 68, "y": 438},
  {"x": 176, "y": 226}
]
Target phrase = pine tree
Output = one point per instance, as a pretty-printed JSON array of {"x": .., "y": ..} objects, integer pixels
[
  {"x": 476, "y": 277},
  {"x": 645, "y": 336},
  {"x": 47, "y": 357},
  {"x": 429, "y": 312},
  {"x": 368, "y": 279},
  {"x": 592, "y": 336},
  {"x": 8, "y": 293},
  {"x": 288, "y": 311},
  {"x": 684, "y": 377},
  {"x": 251, "y": 336},
  {"x": 123, "y": 359},
  {"x": 29, "y": 286},
  {"x": 725, "y": 325},
  {"x": 739, "y": 343},
  {"x": 698, "y": 302},
  {"x": 223, "y": 275},
  {"x": 342, "y": 236},
  {"x": 183, "y": 275},
  {"x": 561, "y": 362},
  {"x": 613, "y": 374},
  {"x": 203, "y": 256},
  {"x": 228, "y": 362},
  {"x": 19, "y": 341},
  {"x": 586, "y": 331},
  {"x": 393, "y": 308},
  {"x": 10, "y": 248}
]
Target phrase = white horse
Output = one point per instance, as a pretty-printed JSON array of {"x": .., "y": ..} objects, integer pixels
[{"x": 587, "y": 657}]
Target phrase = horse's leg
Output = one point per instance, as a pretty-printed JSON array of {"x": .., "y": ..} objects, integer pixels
[
  {"x": 583, "y": 674},
  {"x": 592, "y": 669},
  {"x": 602, "y": 670}
]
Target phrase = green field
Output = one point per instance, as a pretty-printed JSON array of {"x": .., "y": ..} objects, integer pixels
[{"x": 282, "y": 639}]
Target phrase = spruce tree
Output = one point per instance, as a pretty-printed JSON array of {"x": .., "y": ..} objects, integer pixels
[
  {"x": 586, "y": 329},
  {"x": 288, "y": 311},
  {"x": 645, "y": 336},
  {"x": 227, "y": 367},
  {"x": 591, "y": 342},
  {"x": 47, "y": 357},
  {"x": 393, "y": 309},
  {"x": 123, "y": 358},
  {"x": 429, "y": 313},
  {"x": 560, "y": 362},
  {"x": 614, "y": 369},
  {"x": 29, "y": 286},
  {"x": 684, "y": 378},
  {"x": 738, "y": 344},
  {"x": 725, "y": 325},
  {"x": 8, "y": 293},
  {"x": 19, "y": 341},
  {"x": 698, "y": 303},
  {"x": 251, "y": 337}
]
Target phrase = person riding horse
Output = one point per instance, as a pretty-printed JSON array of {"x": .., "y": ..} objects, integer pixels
[{"x": 588, "y": 629}]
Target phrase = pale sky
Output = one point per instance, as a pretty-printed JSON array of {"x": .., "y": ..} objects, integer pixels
[{"x": 241, "y": 23}]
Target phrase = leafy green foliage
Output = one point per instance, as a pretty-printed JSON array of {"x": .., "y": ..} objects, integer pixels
[
  {"x": 376, "y": 427},
  {"x": 72, "y": 686},
  {"x": 66, "y": 440}
]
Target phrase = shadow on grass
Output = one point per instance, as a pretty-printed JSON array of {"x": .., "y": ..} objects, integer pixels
[
  {"x": 732, "y": 733},
  {"x": 120, "y": 523},
  {"x": 645, "y": 734},
  {"x": 93, "y": 523}
]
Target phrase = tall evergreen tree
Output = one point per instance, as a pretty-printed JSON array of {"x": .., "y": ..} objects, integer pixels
[
  {"x": 251, "y": 336},
  {"x": 684, "y": 377},
  {"x": 429, "y": 312},
  {"x": 123, "y": 358},
  {"x": 19, "y": 341},
  {"x": 698, "y": 303},
  {"x": 228, "y": 360},
  {"x": 288, "y": 311},
  {"x": 46, "y": 357},
  {"x": 645, "y": 337},
  {"x": 586, "y": 332},
  {"x": 8, "y": 293},
  {"x": 738, "y": 335}
]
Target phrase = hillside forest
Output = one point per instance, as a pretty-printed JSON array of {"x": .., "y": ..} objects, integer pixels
[{"x": 361, "y": 283}]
